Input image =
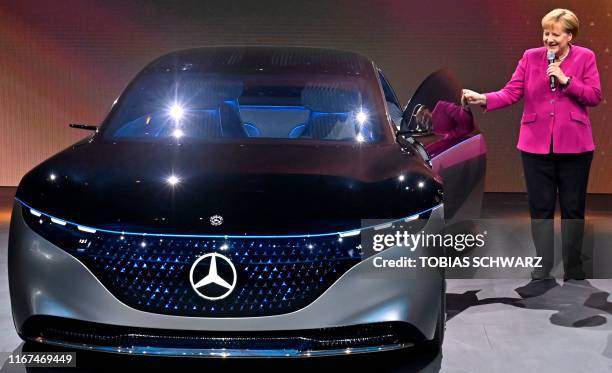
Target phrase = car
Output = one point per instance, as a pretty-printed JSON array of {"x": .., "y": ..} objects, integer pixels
[{"x": 225, "y": 207}]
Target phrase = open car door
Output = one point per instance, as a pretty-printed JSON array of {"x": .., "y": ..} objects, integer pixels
[{"x": 456, "y": 148}]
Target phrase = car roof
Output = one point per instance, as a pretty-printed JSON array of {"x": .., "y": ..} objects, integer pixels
[{"x": 263, "y": 59}]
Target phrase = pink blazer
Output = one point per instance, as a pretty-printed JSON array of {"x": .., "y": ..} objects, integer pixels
[{"x": 560, "y": 116}]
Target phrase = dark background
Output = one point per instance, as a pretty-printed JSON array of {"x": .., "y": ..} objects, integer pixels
[{"x": 66, "y": 61}]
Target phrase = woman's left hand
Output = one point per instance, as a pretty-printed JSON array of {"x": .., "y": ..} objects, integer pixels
[{"x": 555, "y": 70}]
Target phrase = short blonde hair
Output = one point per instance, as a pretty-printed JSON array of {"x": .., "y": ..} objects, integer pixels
[{"x": 567, "y": 18}]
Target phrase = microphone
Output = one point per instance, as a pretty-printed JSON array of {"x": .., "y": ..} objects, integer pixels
[{"x": 553, "y": 80}]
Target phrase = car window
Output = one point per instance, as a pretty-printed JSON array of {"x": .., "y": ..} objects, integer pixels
[
  {"x": 204, "y": 107},
  {"x": 393, "y": 105}
]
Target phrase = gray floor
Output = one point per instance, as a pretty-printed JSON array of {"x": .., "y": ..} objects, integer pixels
[{"x": 493, "y": 325}]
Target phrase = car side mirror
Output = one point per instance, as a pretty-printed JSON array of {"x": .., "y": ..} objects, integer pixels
[
  {"x": 410, "y": 144},
  {"x": 87, "y": 127}
]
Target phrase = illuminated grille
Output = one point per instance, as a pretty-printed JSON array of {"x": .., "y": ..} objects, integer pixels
[{"x": 274, "y": 275}]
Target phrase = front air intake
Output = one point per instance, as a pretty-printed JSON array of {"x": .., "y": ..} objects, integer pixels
[{"x": 308, "y": 342}]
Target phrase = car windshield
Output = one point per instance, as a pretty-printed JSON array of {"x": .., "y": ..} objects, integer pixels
[{"x": 204, "y": 106}]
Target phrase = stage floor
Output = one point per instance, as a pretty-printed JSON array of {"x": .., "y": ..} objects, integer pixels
[{"x": 494, "y": 325}]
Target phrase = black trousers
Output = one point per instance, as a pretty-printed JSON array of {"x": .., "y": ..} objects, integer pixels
[{"x": 545, "y": 176}]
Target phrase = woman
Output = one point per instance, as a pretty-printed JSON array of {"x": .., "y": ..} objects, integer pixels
[{"x": 555, "y": 140}]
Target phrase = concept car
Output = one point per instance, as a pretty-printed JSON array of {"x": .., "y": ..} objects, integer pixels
[{"x": 224, "y": 205}]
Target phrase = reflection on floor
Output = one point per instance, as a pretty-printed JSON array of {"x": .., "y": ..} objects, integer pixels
[{"x": 494, "y": 325}]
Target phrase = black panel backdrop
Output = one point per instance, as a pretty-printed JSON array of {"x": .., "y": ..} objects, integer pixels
[{"x": 66, "y": 61}]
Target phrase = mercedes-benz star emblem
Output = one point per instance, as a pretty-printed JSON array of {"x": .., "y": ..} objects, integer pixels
[
  {"x": 216, "y": 220},
  {"x": 219, "y": 279}
]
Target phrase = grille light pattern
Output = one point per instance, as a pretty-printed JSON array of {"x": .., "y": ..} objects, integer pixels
[{"x": 275, "y": 276}]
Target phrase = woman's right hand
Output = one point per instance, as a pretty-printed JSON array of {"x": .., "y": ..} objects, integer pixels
[{"x": 469, "y": 97}]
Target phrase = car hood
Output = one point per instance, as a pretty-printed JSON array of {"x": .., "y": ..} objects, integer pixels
[{"x": 257, "y": 188}]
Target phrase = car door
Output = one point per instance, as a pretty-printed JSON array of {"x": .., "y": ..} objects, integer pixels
[{"x": 456, "y": 148}]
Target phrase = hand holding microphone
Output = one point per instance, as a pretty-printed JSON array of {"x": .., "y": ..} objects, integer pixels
[{"x": 554, "y": 72}]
